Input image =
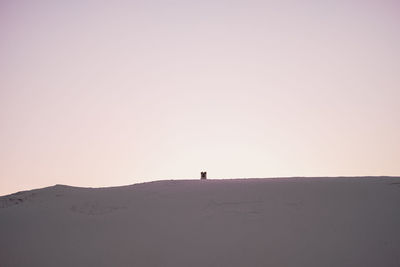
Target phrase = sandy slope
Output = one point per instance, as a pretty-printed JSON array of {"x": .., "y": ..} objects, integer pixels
[{"x": 255, "y": 222}]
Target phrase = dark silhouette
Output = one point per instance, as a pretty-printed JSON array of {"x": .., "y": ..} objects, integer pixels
[{"x": 203, "y": 175}]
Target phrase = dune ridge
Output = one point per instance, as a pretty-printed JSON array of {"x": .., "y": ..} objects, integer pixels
[{"x": 326, "y": 221}]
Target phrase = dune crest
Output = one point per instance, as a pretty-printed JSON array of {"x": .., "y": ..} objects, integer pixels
[{"x": 239, "y": 222}]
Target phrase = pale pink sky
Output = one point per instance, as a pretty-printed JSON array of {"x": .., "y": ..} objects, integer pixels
[{"x": 101, "y": 93}]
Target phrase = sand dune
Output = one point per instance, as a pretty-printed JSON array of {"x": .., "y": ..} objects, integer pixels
[{"x": 239, "y": 222}]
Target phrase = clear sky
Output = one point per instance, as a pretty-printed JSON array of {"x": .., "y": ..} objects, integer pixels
[{"x": 101, "y": 93}]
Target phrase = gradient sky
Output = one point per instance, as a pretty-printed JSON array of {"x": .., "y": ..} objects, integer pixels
[{"x": 101, "y": 93}]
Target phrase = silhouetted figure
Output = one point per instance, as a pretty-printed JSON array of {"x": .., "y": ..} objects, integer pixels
[{"x": 203, "y": 175}]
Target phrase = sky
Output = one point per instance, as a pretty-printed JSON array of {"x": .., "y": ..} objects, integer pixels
[{"x": 106, "y": 93}]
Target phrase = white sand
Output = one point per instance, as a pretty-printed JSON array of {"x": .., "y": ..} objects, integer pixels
[{"x": 254, "y": 222}]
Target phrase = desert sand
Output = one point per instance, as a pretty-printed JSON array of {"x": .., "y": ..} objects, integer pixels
[{"x": 238, "y": 222}]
